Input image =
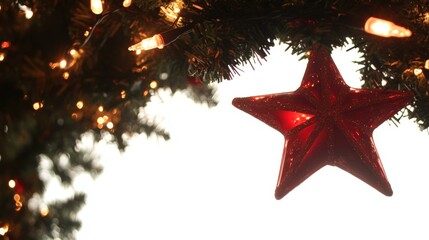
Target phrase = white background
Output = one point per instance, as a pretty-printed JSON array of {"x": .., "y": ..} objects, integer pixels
[{"x": 215, "y": 178}]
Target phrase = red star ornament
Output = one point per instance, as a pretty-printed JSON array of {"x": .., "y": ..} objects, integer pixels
[{"x": 325, "y": 122}]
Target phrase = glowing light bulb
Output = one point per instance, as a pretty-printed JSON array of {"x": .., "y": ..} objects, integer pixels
[
  {"x": 100, "y": 109},
  {"x": 127, "y": 3},
  {"x": 384, "y": 28},
  {"x": 96, "y": 6},
  {"x": 123, "y": 94},
  {"x": 427, "y": 64},
  {"x": 149, "y": 43},
  {"x": 2, "y": 56}
]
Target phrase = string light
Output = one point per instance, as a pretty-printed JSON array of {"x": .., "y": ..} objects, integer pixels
[
  {"x": 123, "y": 94},
  {"x": 427, "y": 64},
  {"x": 384, "y": 28},
  {"x": 155, "y": 41},
  {"x": 172, "y": 10},
  {"x": 127, "y": 3},
  {"x": 96, "y": 6},
  {"x": 100, "y": 109},
  {"x": 2, "y": 56}
]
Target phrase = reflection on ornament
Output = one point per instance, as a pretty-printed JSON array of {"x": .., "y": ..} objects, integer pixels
[
  {"x": 384, "y": 28},
  {"x": 325, "y": 122}
]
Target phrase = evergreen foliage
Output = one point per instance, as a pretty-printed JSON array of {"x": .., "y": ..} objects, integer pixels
[{"x": 46, "y": 105}]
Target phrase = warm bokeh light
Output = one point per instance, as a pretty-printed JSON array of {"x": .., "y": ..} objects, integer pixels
[
  {"x": 417, "y": 71},
  {"x": 427, "y": 64},
  {"x": 12, "y": 183},
  {"x": 4, "y": 229},
  {"x": 123, "y": 94},
  {"x": 18, "y": 206},
  {"x": 5, "y": 44},
  {"x": 79, "y": 104},
  {"x": 109, "y": 125},
  {"x": 149, "y": 43},
  {"x": 96, "y": 6},
  {"x": 28, "y": 14},
  {"x": 384, "y": 28},
  {"x": 153, "y": 84},
  {"x": 100, "y": 108},
  {"x": 16, "y": 197},
  {"x": 2, "y": 56},
  {"x": 63, "y": 63},
  {"x": 44, "y": 211},
  {"x": 127, "y": 3},
  {"x": 100, "y": 120},
  {"x": 66, "y": 75},
  {"x": 37, "y": 105}
]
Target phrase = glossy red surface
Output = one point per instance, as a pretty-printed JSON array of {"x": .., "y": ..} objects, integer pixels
[{"x": 325, "y": 122}]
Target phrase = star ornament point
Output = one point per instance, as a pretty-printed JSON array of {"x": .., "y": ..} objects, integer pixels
[{"x": 326, "y": 122}]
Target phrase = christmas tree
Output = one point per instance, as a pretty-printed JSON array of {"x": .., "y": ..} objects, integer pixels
[{"x": 68, "y": 68}]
